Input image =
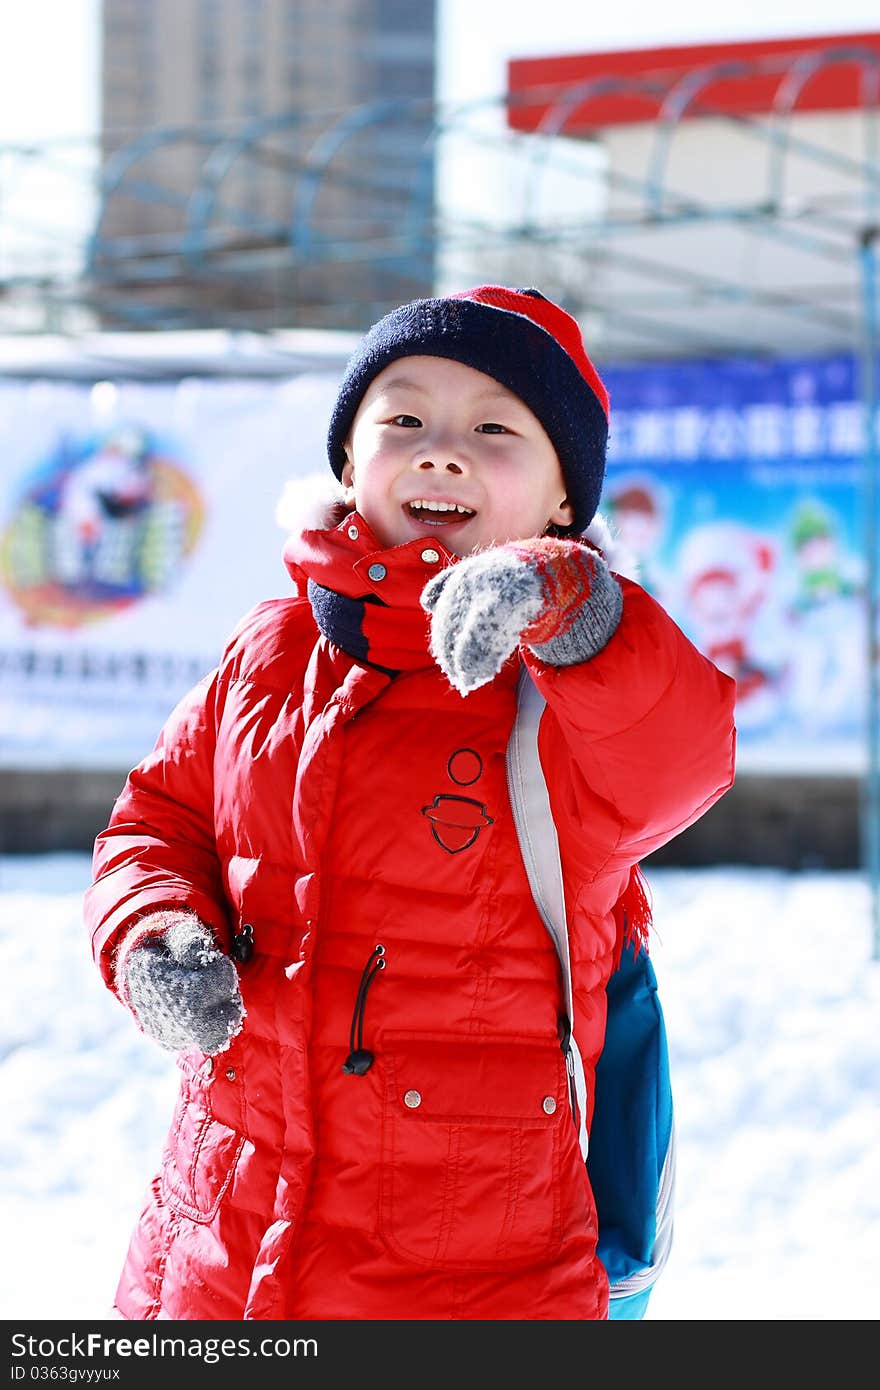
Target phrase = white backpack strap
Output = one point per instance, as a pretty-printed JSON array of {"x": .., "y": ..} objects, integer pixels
[{"x": 539, "y": 846}]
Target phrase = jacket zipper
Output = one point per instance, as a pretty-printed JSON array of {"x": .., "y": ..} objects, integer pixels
[
  {"x": 564, "y": 1027},
  {"x": 522, "y": 762}
]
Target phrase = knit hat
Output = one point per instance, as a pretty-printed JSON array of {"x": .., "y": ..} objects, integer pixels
[{"x": 525, "y": 341}]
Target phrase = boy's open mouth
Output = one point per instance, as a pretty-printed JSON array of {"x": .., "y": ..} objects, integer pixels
[{"x": 438, "y": 513}]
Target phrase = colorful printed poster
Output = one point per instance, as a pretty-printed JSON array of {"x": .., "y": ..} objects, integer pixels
[
  {"x": 740, "y": 488},
  {"x": 137, "y": 526}
]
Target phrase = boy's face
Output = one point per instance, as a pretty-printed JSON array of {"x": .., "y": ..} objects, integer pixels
[{"x": 432, "y": 431}]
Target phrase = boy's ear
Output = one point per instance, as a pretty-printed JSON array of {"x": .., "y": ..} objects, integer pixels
[
  {"x": 347, "y": 475},
  {"x": 563, "y": 515}
]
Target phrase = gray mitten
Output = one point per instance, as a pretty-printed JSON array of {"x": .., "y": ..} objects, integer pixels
[
  {"x": 557, "y": 596},
  {"x": 182, "y": 989}
]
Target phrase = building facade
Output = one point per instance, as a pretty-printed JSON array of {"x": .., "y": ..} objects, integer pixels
[{"x": 263, "y": 159}]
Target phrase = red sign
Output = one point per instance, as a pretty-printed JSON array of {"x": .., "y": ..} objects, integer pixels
[{"x": 826, "y": 73}]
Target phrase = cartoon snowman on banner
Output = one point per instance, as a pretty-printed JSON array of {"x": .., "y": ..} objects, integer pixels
[{"x": 828, "y": 618}]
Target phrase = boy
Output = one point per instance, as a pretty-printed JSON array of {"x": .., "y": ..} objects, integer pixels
[{"x": 312, "y": 891}]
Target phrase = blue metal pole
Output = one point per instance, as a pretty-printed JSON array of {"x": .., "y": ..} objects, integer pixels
[{"x": 871, "y": 494}]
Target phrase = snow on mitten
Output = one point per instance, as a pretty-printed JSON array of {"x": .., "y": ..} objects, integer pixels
[
  {"x": 182, "y": 990},
  {"x": 558, "y": 596}
]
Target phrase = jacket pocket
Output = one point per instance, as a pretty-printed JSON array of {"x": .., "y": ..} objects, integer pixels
[
  {"x": 200, "y": 1156},
  {"x": 470, "y": 1175}
]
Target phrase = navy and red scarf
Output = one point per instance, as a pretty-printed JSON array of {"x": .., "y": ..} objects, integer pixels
[{"x": 378, "y": 621}]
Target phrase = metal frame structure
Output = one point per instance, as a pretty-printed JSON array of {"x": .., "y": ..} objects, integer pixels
[{"x": 617, "y": 249}]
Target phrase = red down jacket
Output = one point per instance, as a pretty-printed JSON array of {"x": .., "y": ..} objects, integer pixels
[{"x": 334, "y": 808}]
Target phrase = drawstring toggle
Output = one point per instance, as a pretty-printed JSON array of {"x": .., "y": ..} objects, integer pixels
[{"x": 359, "y": 1059}]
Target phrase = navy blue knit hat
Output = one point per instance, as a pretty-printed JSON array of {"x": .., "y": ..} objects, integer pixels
[{"x": 525, "y": 341}]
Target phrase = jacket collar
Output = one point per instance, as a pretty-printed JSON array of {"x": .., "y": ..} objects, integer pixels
[{"x": 385, "y": 582}]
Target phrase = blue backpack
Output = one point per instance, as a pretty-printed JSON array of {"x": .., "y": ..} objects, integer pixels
[
  {"x": 631, "y": 1159},
  {"x": 630, "y": 1150}
]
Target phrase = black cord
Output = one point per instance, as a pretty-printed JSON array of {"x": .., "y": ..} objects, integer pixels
[{"x": 359, "y": 1060}]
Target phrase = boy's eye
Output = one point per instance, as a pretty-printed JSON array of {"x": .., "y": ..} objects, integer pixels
[
  {"x": 492, "y": 427},
  {"x": 409, "y": 422}
]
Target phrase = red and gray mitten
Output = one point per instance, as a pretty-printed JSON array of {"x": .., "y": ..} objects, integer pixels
[
  {"x": 181, "y": 988},
  {"x": 557, "y": 596}
]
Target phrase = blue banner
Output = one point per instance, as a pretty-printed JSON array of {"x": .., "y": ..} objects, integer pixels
[
  {"x": 137, "y": 523},
  {"x": 738, "y": 485}
]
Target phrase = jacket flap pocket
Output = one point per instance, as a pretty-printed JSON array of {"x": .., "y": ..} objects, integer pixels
[
  {"x": 502, "y": 1080},
  {"x": 471, "y": 1135},
  {"x": 200, "y": 1158}
]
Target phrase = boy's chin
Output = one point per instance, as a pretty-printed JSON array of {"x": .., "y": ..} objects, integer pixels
[{"x": 457, "y": 536}]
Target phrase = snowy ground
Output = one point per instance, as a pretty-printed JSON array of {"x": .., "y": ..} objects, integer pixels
[{"x": 772, "y": 1002}]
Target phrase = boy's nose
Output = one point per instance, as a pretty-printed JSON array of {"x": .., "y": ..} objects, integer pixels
[{"x": 450, "y": 466}]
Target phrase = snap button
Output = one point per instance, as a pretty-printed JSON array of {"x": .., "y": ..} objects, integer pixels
[
  {"x": 412, "y": 1099},
  {"x": 377, "y": 571},
  {"x": 353, "y": 532},
  {"x": 549, "y": 1105},
  {"x": 430, "y": 556},
  {"x": 230, "y": 1073}
]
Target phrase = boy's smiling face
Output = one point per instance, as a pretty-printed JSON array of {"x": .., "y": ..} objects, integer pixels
[{"x": 440, "y": 450}]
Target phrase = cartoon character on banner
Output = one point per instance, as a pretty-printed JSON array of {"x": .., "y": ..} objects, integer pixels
[
  {"x": 102, "y": 505},
  {"x": 637, "y": 508},
  {"x": 725, "y": 573},
  {"x": 828, "y": 616},
  {"x": 101, "y": 523}
]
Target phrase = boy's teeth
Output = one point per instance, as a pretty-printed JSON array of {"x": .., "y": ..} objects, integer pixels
[{"x": 422, "y": 505}]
